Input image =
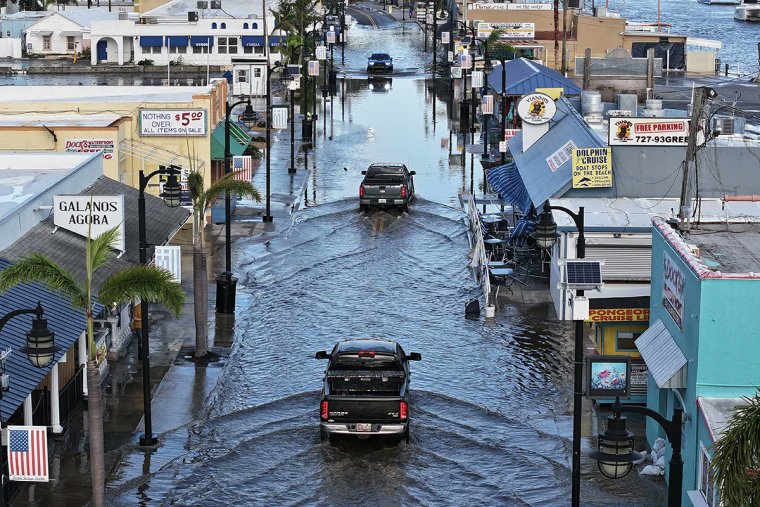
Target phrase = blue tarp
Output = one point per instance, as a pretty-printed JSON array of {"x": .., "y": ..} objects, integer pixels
[
  {"x": 152, "y": 41},
  {"x": 202, "y": 40},
  {"x": 177, "y": 41},
  {"x": 506, "y": 181}
]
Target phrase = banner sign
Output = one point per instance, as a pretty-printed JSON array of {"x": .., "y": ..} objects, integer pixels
[
  {"x": 173, "y": 122},
  {"x": 28, "y": 453},
  {"x": 673, "y": 283},
  {"x": 476, "y": 79},
  {"x": 465, "y": 61},
  {"x": 486, "y": 104},
  {"x": 509, "y": 7},
  {"x": 445, "y": 38},
  {"x": 639, "y": 372},
  {"x": 562, "y": 155},
  {"x": 331, "y": 37},
  {"x": 280, "y": 117},
  {"x": 170, "y": 259},
  {"x": 618, "y": 315},
  {"x": 101, "y": 351},
  {"x": 536, "y": 108},
  {"x": 104, "y": 146},
  {"x": 649, "y": 132},
  {"x": 76, "y": 213},
  {"x": 321, "y": 52},
  {"x": 592, "y": 167},
  {"x": 508, "y": 31}
]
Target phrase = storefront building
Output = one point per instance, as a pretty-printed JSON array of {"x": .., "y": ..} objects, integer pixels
[{"x": 701, "y": 348}]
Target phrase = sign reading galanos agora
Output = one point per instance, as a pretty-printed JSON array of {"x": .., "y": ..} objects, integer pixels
[
  {"x": 77, "y": 213},
  {"x": 173, "y": 122},
  {"x": 648, "y": 132}
]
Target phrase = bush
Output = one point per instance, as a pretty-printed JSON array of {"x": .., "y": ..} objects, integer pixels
[{"x": 145, "y": 63}]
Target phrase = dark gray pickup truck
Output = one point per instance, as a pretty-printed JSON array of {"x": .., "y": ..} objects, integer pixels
[
  {"x": 366, "y": 389},
  {"x": 386, "y": 185}
]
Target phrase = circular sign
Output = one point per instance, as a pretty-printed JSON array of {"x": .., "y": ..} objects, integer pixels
[{"x": 536, "y": 108}]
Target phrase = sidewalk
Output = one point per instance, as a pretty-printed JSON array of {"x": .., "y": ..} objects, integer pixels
[{"x": 179, "y": 385}]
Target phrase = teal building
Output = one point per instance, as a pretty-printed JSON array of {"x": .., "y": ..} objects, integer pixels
[{"x": 701, "y": 348}]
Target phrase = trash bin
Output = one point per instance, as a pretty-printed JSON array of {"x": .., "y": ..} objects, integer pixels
[
  {"x": 226, "y": 286},
  {"x": 307, "y": 129}
]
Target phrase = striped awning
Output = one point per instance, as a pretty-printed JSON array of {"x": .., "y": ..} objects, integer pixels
[
  {"x": 662, "y": 356},
  {"x": 506, "y": 181}
]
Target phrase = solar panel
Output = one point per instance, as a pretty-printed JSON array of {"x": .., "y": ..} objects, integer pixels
[{"x": 584, "y": 273}]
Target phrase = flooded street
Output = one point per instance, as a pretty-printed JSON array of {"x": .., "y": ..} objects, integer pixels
[{"x": 490, "y": 424}]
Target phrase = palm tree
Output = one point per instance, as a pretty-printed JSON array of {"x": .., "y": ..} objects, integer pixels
[
  {"x": 736, "y": 456},
  {"x": 147, "y": 283},
  {"x": 202, "y": 201}
]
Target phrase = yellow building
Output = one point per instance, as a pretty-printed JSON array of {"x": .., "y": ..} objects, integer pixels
[{"x": 135, "y": 127}]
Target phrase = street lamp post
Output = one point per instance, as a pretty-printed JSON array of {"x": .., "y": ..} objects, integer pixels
[
  {"x": 503, "y": 62},
  {"x": 487, "y": 69},
  {"x": 615, "y": 454},
  {"x": 267, "y": 210},
  {"x": 40, "y": 350},
  {"x": 343, "y": 33},
  {"x": 292, "y": 89},
  {"x": 172, "y": 194},
  {"x": 545, "y": 235}
]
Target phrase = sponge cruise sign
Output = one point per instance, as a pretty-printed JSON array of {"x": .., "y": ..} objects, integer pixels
[{"x": 93, "y": 214}]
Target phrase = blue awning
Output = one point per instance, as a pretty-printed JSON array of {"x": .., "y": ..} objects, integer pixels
[
  {"x": 276, "y": 40},
  {"x": 252, "y": 40},
  {"x": 202, "y": 41},
  {"x": 177, "y": 41},
  {"x": 506, "y": 181},
  {"x": 151, "y": 41},
  {"x": 64, "y": 320}
]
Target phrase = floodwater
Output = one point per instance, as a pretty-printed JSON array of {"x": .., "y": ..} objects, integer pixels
[{"x": 490, "y": 424}]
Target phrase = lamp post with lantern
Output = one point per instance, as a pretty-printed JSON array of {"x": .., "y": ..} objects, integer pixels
[
  {"x": 40, "y": 349},
  {"x": 172, "y": 194}
]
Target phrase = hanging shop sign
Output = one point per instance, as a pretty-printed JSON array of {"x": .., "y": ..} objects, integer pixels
[
  {"x": 510, "y": 31},
  {"x": 280, "y": 117},
  {"x": 476, "y": 79},
  {"x": 618, "y": 315},
  {"x": 673, "y": 284},
  {"x": 536, "y": 108},
  {"x": 509, "y": 6},
  {"x": 95, "y": 213},
  {"x": 173, "y": 122},
  {"x": 649, "y": 132},
  {"x": 445, "y": 37},
  {"x": 592, "y": 167},
  {"x": 608, "y": 377},
  {"x": 321, "y": 52},
  {"x": 562, "y": 155},
  {"x": 104, "y": 146},
  {"x": 465, "y": 61}
]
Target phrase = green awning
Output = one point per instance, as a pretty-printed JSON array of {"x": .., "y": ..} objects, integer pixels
[{"x": 239, "y": 141}]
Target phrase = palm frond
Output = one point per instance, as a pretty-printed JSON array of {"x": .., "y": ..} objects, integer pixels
[
  {"x": 736, "y": 457},
  {"x": 147, "y": 283},
  {"x": 195, "y": 186},
  {"x": 36, "y": 267},
  {"x": 101, "y": 249},
  {"x": 229, "y": 184}
]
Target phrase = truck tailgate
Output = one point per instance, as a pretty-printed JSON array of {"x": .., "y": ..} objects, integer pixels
[
  {"x": 382, "y": 190},
  {"x": 371, "y": 409}
]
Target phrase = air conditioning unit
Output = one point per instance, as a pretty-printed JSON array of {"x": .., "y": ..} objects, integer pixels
[
  {"x": 201, "y": 4},
  {"x": 192, "y": 16},
  {"x": 143, "y": 21},
  {"x": 728, "y": 125},
  {"x": 216, "y": 4}
]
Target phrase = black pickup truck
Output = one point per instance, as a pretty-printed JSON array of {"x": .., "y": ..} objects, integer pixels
[{"x": 366, "y": 389}]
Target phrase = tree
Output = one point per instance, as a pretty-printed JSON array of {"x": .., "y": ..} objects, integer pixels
[
  {"x": 736, "y": 456},
  {"x": 202, "y": 201},
  {"x": 293, "y": 16},
  {"x": 147, "y": 283}
]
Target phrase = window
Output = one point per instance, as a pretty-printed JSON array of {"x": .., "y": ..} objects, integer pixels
[
  {"x": 625, "y": 341},
  {"x": 177, "y": 49},
  {"x": 155, "y": 50},
  {"x": 257, "y": 72},
  {"x": 255, "y": 26},
  {"x": 224, "y": 25},
  {"x": 213, "y": 26},
  {"x": 227, "y": 45},
  {"x": 201, "y": 50},
  {"x": 46, "y": 42},
  {"x": 256, "y": 50},
  {"x": 8, "y": 33},
  {"x": 242, "y": 75},
  {"x": 706, "y": 482},
  {"x": 245, "y": 26},
  {"x": 70, "y": 43}
]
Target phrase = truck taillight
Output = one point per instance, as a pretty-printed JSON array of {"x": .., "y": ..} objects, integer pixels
[
  {"x": 403, "y": 411},
  {"x": 403, "y": 190},
  {"x": 324, "y": 411},
  {"x": 361, "y": 190}
]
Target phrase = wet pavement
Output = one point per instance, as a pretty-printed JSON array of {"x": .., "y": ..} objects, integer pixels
[{"x": 490, "y": 416}]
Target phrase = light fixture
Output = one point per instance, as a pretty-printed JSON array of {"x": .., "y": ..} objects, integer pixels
[
  {"x": 172, "y": 193},
  {"x": 615, "y": 454},
  {"x": 248, "y": 118},
  {"x": 545, "y": 233},
  {"x": 40, "y": 341}
]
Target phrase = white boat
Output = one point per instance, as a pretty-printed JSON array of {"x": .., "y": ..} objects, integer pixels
[
  {"x": 720, "y": 2},
  {"x": 748, "y": 10}
]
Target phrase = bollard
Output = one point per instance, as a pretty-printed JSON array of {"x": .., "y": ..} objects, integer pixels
[{"x": 226, "y": 286}]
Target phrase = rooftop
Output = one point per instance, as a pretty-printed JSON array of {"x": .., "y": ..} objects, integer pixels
[
  {"x": 99, "y": 94},
  {"x": 717, "y": 412},
  {"x": 58, "y": 120},
  {"x": 84, "y": 16},
  {"x": 232, "y": 8}
]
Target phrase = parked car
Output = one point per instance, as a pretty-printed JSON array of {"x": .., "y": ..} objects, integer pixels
[
  {"x": 386, "y": 185},
  {"x": 366, "y": 389},
  {"x": 380, "y": 62}
]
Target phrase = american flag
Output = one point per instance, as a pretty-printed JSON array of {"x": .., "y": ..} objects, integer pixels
[
  {"x": 27, "y": 453},
  {"x": 244, "y": 165}
]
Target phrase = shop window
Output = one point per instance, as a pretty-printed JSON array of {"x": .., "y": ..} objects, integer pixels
[
  {"x": 242, "y": 75},
  {"x": 227, "y": 45},
  {"x": 213, "y": 26},
  {"x": 706, "y": 481},
  {"x": 245, "y": 26},
  {"x": 46, "y": 42},
  {"x": 71, "y": 43},
  {"x": 625, "y": 341}
]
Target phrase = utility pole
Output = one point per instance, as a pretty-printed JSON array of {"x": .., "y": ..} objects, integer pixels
[
  {"x": 689, "y": 165},
  {"x": 564, "y": 37}
]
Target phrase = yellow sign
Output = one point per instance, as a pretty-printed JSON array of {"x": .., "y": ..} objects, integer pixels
[
  {"x": 618, "y": 315},
  {"x": 592, "y": 167},
  {"x": 554, "y": 93}
]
